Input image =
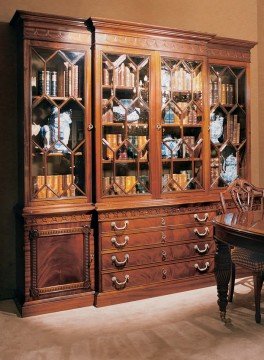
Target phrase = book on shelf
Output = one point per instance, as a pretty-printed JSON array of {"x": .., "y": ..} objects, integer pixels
[
  {"x": 112, "y": 141},
  {"x": 192, "y": 115},
  {"x": 215, "y": 90},
  {"x": 130, "y": 181},
  {"x": 71, "y": 80},
  {"x": 233, "y": 129},
  {"x": 230, "y": 94},
  {"x": 227, "y": 94},
  {"x": 181, "y": 80},
  {"x": 122, "y": 185},
  {"x": 39, "y": 191},
  {"x": 223, "y": 93},
  {"x": 187, "y": 146},
  {"x": 56, "y": 185},
  {"x": 197, "y": 82}
]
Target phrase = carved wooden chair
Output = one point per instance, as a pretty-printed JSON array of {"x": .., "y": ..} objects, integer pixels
[{"x": 245, "y": 197}]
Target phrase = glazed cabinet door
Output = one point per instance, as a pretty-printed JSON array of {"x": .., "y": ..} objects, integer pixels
[
  {"x": 182, "y": 123},
  {"x": 229, "y": 111},
  {"x": 59, "y": 150},
  {"x": 123, "y": 122}
]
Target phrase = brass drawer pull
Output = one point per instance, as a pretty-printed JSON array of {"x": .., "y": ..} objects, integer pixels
[
  {"x": 164, "y": 273},
  {"x": 207, "y": 264},
  {"x": 113, "y": 224},
  {"x": 163, "y": 237},
  {"x": 163, "y": 255},
  {"x": 206, "y": 247},
  {"x": 118, "y": 263},
  {"x": 163, "y": 221},
  {"x": 120, "y": 285},
  {"x": 196, "y": 217},
  {"x": 206, "y": 232},
  {"x": 119, "y": 245}
]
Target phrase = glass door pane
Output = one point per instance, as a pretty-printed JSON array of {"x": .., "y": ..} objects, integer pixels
[
  {"x": 181, "y": 124},
  {"x": 227, "y": 124},
  {"x": 57, "y": 130},
  {"x": 125, "y": 124}
]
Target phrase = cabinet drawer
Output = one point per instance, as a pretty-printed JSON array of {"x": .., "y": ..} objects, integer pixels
[
  {"x": 121, "y": 226},
  {"x": 119, "y": 280},
  {"x": 123, "y": 241},
  {"x": 163, "y": 254}
]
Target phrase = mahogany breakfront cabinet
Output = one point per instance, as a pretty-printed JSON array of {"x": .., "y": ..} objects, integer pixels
[{"x": 130, "y": 132}]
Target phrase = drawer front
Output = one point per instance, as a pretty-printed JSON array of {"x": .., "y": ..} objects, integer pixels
[
  {"x": 124, "y": 241},
  {"x": 124, "y": 259},
  {"x": 119, "y": 280},
  {"x": 121, "y": 226}
]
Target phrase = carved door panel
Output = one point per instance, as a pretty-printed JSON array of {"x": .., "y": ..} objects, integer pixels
[{"x": 60, "y": 261}]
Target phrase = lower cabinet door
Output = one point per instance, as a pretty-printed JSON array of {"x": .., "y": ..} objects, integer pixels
[{"x": 60, "y": 261}]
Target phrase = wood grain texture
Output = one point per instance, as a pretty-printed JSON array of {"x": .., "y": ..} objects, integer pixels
[
  {"x": 156, "y": 274},
  {"x": 155, "y": 255}
]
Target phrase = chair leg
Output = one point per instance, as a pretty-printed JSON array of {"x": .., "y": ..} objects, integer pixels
[
  {"x": 258, "y": 282},
  {"x": 232, "y": 282}
]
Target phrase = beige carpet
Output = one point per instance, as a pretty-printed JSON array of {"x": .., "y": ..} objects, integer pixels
[{"x": 179, "y": 326}]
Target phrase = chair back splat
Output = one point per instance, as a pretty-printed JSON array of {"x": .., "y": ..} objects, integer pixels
[{"x": 244, "y": 195}]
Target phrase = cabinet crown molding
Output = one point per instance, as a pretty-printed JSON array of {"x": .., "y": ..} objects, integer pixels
[
  {"x": 27, "y": 16},
  {"x": 107, "y": 25}
]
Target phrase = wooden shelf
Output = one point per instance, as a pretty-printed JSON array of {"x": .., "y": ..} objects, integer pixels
[
  {"x": 59, "y": 154},
  {"x": 118, "y": 87},
  {"x": 174, "y": 159},
  {"x": 56, "y": 98},
  {"x": 122, "y": 124},
  {"x": 183, "y": 125},
  {"x": 125, "y": 161}
]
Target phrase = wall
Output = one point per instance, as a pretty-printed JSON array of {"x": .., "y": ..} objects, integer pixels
[
  {"x": 231, "y": 18},
  {"x": 261, "y": 88}
]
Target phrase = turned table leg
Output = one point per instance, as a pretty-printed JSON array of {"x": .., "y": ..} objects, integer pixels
[{"x": 222, "y": 276}]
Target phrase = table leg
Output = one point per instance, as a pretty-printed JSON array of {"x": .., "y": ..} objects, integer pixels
[{"x": 222, "y": 276}]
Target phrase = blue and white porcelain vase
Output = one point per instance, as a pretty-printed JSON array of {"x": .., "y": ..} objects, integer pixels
[
  {"x": 216, "y": 127},
  {"x": 229, "y": 170}
]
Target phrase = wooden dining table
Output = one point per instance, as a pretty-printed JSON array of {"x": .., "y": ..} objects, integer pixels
[{"x": 245, "y": 230}]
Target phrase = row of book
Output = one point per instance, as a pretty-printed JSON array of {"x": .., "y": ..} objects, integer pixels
[
  {"x": 233, "y": 129},
  {"x": 61, "y": 83},
  {"x": 182, "y": 80},
  {"x": 62, "y": 185},
  {"x": 113, "y": 141},
  {"x": 123, "y": 75},
  {"x": 191, "y": 117},
  {"x": 121, "y": 185},
  {"x": 221, "y": 93},
  {"x": 125, "y": 185},
  {"x": 180, "y": 180}
]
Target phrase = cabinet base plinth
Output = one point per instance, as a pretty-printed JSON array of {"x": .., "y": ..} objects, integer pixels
[
  {"x": 140, "y": 293},
  {"x": 45, "y": 306}
]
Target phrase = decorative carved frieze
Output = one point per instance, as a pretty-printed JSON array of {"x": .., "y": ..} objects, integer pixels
[
  {"x": 151, "y": 43},
  {"x": 48, "y": 220},
  {"x": 159, "y": 211},
  {"x": 62, "y": 231},
  {"x": 56, "y": 35},
  {"x": 64, "y": 287},
  {"x": 229, "y": 54}
]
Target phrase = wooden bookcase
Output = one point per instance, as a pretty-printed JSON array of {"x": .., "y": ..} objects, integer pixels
[
  {"x": 171, "y": 129},
  {"x": 55, "y": 163},
  {"x": 130, "y": 132}
]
